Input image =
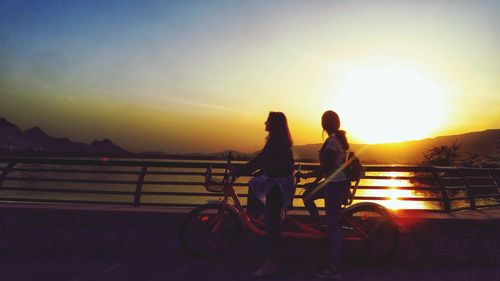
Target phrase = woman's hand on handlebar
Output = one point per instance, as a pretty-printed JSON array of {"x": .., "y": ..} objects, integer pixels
[
  {"x": 299, "y": 175},
  {"x": 234, "y": 172}
]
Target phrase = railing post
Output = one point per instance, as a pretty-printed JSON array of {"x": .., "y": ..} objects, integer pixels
[
  {"x": 472, "y": 199},
  {"x": 138, "y": 187},
  {"x": 5, "y": 171},
  {"x": 496, "y": 178},
  {"x": 444, "y": 193}
]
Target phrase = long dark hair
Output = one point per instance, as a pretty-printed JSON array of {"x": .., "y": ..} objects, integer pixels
[
  {"x": 330, "y": 122},
  {"x": 277, "y": 125}
]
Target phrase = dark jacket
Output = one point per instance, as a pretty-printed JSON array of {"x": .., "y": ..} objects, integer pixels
[{"x": 275, "y": 160}]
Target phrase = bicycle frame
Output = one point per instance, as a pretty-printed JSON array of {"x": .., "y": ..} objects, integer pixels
[{"x": 304, "y": 230}]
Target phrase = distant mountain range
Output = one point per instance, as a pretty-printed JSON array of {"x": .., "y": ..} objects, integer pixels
[
  {"x": 484, "y": 143},
  {"x": 34, "y": 142}
]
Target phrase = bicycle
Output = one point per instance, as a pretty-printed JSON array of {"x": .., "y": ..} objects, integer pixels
[{"x": 370, "y": 235}]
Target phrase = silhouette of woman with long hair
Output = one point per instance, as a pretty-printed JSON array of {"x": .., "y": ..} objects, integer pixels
[
  {"x": 334, "y": 188},
  {"x": 274, "y": 187}
]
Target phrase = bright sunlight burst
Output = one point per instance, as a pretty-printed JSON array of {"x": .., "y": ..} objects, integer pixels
[{"x": 389, "y": 103}]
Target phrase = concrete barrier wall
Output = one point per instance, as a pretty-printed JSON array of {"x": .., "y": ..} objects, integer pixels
[
  {"x": 453, "y": 241},
  {"x": 108, "y": 229},
  {"x": 155, "y": 230}
]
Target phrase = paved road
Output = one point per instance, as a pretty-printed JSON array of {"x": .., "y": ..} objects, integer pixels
[{"x": 37, "y": 265}]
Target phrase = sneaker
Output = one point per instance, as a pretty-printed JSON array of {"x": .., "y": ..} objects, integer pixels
[
  {"x": 267, "y": 269},
  {"x": 326, "y": 272}
]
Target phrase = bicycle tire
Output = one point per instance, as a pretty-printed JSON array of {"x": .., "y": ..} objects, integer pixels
[
  {"x": 197, "y": 234},
  {"x": 382, "y": 234}
]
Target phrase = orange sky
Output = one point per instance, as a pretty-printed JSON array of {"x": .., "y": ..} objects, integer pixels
[{"x": 183, "y": 77}]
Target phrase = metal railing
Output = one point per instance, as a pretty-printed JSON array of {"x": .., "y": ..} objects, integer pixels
[{"x": 180, "y": 183}]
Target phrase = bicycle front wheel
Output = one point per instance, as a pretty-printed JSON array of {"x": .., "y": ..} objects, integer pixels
[
  {"x": 210, "y": 230},
  {"x": 370, "y": 236}
]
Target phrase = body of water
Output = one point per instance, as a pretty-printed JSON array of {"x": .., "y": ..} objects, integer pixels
[{"x": 395, "y": 190}]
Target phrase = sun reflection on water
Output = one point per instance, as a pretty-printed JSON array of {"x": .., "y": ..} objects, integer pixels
[
  {"x": 391, "y": 197},
  {"x": 390, "y": 190}
]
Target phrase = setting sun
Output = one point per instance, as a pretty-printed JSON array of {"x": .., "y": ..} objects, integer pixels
[{"x": 390, "y": 103}]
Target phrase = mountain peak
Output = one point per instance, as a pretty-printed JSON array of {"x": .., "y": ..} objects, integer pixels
[
  {"x": 35, "y": 131},
  {"x": 5, "y": 123},
  {"x": 102, "y": 142},
  {"x": 107, "y": 146}
]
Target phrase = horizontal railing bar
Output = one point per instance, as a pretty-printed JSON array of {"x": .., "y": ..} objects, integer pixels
[
  {"x": 398, "y": 198},
  {"x": 174, "y": 193},
  {"x": 455, "y": 187},
  {"x": 115, "y": 162},
  {"x": 299, "y": 196},
  {"x": 154, "y": 204},
  {"x": 113, "y": 172},
  {"x": 180, "y": 193},
  {"x": 487, "y": 206},
  {"x": 483, "y": 206},
  {"x": 487, "y": 196},
  {"x": 424, "y": 210},
  {"x": 69, "y": 180},
  {"x": 484, "y": 192},
  {"x": 151, "y": 204},
  {"x": 182, "y": 173},
  {"x": 296, "y": 196},
  {"x": 130, "y": 163},
  {"x": 459, "y": 198},
  {"x": 75, "y": 171},
  {"x": 370, "y": 187},
  {"x": 3, "y": 199},
  {"x": 398, "y": 178},
  {"x": 184, "y": 183},
  {"x": 63, "y": 190},
  {"x": 370, "y": 168},
  {"x": 460, "y": 209},
  {"x": 457, "y": 178},
  {"x": 379, "y": 187},
  {"x": 485, "y": 177},
  {"x": 482, "y": 186},
  {"x": 111, "y": 182}
]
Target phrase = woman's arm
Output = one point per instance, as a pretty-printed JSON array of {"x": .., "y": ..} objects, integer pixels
[
  {"x": 318, "y": 173},
  {"x": 257, "y": 162},
  {"x": 327, "y": 168}
]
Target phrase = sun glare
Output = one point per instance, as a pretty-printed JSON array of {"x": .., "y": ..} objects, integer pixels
[{"x": 389, "y": 103}]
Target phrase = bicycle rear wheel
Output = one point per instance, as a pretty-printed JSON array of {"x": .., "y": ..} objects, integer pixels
[
  {"x": 370, "y": 236},
  {"x": 210, "y": 230}
]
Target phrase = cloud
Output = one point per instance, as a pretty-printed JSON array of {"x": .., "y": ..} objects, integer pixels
[{"x": 204, "y": 105}]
